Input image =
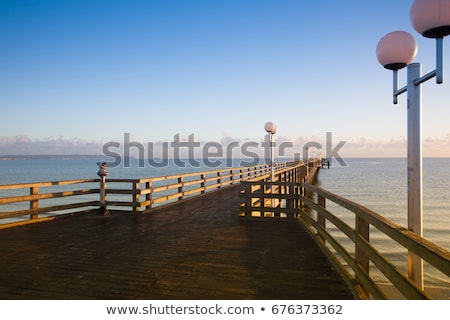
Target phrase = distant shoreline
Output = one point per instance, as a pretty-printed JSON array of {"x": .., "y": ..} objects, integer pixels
[
  {"x": 52, "y": 157},
  {"x": 101, "y": 157}
]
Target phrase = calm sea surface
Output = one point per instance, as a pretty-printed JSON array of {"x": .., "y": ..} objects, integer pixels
[{"x": 379, "y": 184}]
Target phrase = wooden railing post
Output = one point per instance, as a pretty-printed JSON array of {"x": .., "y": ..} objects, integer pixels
[
  {"x": 291, "y": 199},
  {"x": 277, "y": 190},
  {"x": 262, "y": 200},
  {"x": 321, "y": 220},
  {"x": 248, "y": 199},
  {"x": 203, "y": 183},
  {"x": 34, "y": 204},
  {"x": 362, "y": 229},
  {"x": 180, "y": 188},
  {"x": 135, "y": 196},
  {"x": 219, "y": 180},
  {"x": 298, "y": 192},
  {"x": 149, "y": 195}
]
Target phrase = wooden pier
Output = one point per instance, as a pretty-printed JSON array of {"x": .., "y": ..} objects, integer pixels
[
  {"x": 225, "y": 234},
  {"x": 195, "y": 249}
]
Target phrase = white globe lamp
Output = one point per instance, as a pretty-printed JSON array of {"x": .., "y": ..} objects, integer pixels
[
  {"x": 431, "y": 18},
  {"x": 396, "y": 50},
  {"x": 270, "y": 127}
]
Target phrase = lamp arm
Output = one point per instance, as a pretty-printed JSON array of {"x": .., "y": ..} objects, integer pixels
[
  {"x": 440, "y": 60},
  {"x": 439, "y": 72},
  {"x": 396, "y": 91}
]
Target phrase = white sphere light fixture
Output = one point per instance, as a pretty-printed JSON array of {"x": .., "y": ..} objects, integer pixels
[
  {"x": 396, "y": 50},
  {"x": 431, "y": 18},
  {"x": 270, "y": 127}
]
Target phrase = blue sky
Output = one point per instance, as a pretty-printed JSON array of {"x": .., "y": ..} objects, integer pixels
[{"x": 76, "y": 74}]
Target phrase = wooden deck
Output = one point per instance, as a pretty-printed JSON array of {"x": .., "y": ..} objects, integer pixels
[{"x": 195, "y": 249}]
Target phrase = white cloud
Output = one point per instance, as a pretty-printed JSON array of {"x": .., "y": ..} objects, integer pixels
[
  {"x": 353, "y": 147},
  {"x": 396, "y": 147},
  {"x": 21, "y": 145}
]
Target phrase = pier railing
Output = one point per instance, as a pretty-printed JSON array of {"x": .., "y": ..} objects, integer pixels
[
  {"x": 293, "y": 198},
  {"x": 288, "y": 195},
  {"x": 280, "y": 196},
  {"x": 43, "y": 200},
  {"x": 34, "y": 199}
]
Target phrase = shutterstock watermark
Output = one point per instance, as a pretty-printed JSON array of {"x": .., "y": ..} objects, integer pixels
[{"x": 189, "y": 152}]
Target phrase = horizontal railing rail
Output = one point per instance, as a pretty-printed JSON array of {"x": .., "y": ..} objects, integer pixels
[
  {"x": 294, "y": 198},
  {"x": 35, "y": 193}
]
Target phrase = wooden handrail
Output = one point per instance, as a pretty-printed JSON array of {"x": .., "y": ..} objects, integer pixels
[
  {"x": 53, "y": 195},
  {"x": 45, "y": 184},
  {"x": 433, "y": 254},
  {"x": 256, "y": 193}
]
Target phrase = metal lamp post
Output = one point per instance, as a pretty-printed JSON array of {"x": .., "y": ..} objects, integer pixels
[
  {"x": 271, "y": 129},
  {"x": 397, "y": 50}
]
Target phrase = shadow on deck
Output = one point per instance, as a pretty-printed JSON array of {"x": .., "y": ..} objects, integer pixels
[{"x": 195, "y": 249}]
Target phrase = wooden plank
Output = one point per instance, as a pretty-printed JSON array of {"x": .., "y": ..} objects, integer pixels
[
  {"x": 123, "y": 180},
  {"x": 123, "y": 191},
  {"x": 110, "y": 203},
  {"x": 45, "y": 184},
  {"x": 168, "y": 254},
  {"x": 34, "y": 196},
  {"x": 192, "y": 191},
  {"x": 193, "y": 182},
  {"x": 168, "y": 197},
  {"x": 167, "y": 187}
]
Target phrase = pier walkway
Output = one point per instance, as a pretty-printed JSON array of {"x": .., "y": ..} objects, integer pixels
[{"x": 194, "y": 249}]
